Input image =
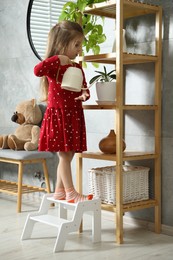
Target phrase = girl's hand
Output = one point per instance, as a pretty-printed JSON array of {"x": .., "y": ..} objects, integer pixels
[
  {"x": 83, "y": 97},
  {"x": 64, "y": 60}
]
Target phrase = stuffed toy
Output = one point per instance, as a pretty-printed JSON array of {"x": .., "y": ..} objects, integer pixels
[{"x": 28, "y": 115}]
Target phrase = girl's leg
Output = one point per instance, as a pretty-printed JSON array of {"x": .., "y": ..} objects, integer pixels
[
  {"x": 60, "y": 189},
  {"x": 64, "y": 180}
]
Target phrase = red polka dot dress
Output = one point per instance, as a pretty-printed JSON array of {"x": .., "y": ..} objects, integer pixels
[{"x": 63, "y": 125}]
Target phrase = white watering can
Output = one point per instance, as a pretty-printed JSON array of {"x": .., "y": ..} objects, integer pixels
[{"x": 73, "y": 80}]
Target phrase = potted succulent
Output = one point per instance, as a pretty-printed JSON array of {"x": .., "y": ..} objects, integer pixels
[
  {"x": 93, "y": 29},
  {"x": 105, "y": 85}
]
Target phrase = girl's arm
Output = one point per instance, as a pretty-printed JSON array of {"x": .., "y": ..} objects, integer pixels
[
  {"x": 84, "y": 96},
  {"x": 47, "y": 67}
]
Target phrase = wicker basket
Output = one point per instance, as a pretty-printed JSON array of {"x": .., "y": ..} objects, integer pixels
[{"x": 135, "y": 183}]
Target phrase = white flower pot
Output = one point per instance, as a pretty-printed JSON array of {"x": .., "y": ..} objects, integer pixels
[{"x": 106, "y": 91}]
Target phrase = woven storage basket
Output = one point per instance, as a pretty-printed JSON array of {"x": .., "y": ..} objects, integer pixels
[{"x": 135, "y": 183}]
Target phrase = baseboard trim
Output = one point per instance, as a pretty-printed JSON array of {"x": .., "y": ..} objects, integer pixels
[{"x": 166, "y": 230}]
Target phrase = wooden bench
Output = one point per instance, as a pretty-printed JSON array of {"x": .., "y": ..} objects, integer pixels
[{"x": 22, "y": 158}]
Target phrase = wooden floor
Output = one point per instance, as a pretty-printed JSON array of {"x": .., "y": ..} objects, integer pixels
[{"x": 139, "y": 243}]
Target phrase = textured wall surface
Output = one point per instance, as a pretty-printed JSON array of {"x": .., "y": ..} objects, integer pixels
[{"x": 18, "y": 83}]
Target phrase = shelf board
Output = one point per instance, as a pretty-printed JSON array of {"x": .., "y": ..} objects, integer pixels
[
  {"x": 125, "y": 107},
  {"x": 12, "y": 188},
  {"x": 131, "y": 9},
  {"x": 127, "y": 156},
  {"x": 140, "y": 107},
  {"x": 110, "y": 58},
  {"x": 132, "y": 206},
  {"x": 97, "y": 107}
]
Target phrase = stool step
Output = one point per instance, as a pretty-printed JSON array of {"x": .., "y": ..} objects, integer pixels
[
  {"x": 50, "y": 220},
  {"x": 62, "y": 202}
]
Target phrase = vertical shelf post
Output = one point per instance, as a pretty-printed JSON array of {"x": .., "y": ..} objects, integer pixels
[
  {"x": 119, "y": 121},
  {"x": 79, "y": 173},
  {"x": 79, "y": 176},
  {"x": 158, "y": 80}
]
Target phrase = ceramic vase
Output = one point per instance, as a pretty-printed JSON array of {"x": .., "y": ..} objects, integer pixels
[{"x": 108, "y": 144}]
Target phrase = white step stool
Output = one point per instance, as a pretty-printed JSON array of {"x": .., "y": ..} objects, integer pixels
[{"x": 65, "y": 226}]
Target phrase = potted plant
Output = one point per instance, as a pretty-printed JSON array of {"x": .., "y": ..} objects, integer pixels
[
  {"x": 93, "y": 31},
  {"x": 105, "y": 85}
]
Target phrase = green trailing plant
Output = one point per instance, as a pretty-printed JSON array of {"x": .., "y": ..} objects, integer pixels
[
  {"x": 93, "y": 30},
  {"x": 103, "y": 76}
]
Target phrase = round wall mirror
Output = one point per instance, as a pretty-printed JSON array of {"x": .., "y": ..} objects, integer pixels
[{"x": 41, "y": 16}]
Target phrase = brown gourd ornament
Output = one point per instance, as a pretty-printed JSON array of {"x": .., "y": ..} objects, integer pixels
[{"x": 108, "y": 144}]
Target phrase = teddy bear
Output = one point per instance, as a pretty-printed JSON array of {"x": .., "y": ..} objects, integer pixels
[{"x": 29, "y": 116}]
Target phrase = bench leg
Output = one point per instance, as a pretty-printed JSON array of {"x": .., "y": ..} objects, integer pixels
[
  {"x": 19, "y": 193},
  {"x": 46, "y": 175}
]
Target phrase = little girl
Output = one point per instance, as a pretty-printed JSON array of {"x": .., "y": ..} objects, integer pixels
[{"x": 63, "y": 127}]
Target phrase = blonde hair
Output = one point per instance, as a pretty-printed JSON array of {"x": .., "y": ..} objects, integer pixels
[{"x": 58, "y": 40}]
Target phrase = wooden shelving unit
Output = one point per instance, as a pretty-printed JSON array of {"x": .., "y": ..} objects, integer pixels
[{"x": 121, "y": 10}]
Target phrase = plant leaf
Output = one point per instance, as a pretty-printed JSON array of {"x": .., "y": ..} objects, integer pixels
[
  {"x": 112, "y": 76},
  {"x": 94, "y": 79},
  {"x": 96, "y": 49},
  {"x": 110, "y": 72}
]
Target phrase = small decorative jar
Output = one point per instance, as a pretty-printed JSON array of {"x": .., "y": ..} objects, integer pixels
[{"x": 108, "y": 144}]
